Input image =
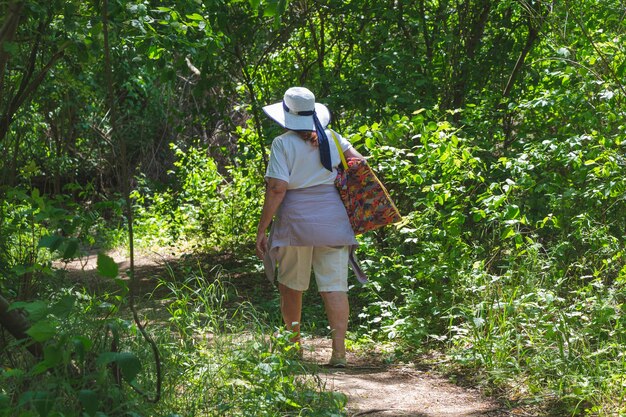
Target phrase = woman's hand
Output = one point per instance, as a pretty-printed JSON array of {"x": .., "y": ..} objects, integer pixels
[
  {"x": 274, "y": 194},
  {"x": 261, "y": 245}
]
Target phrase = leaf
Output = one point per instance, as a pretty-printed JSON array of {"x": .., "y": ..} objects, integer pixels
[
  {"x": 42, "y": 330},
  {"x": 195, "y": 16},
  {"x": 107, "y": 266},
  {"x": 127, "y": 361},
  {"x": 479, "y": 322},
  {"x": 507, "y": 233},
  {"x": 106, "y": 358},
  {"x": 71, "y": 249},
  {"x": 52, "y": 242},
  {"x": 564, "y": 52},
  {"x": 35, "y": 195},
  {"x": 81, "y": 345},
  {"x": 64, "y": 306},
  {"x": 130, "y": 365},
  {"x": 512, "y": 212},
  {"x": 271, "y": 8},
  {"x": 282, "y": 6},
  {"x": 53, "y": 355},
  {"x": 89, "y": 400},
  {"x": 154, "y": 52},
  {"x": 36, "y": 310}
]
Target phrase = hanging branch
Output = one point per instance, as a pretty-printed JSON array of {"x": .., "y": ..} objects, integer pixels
[
  {"x": 125, "y": 183},
  {"x": 533, "y": 35}
]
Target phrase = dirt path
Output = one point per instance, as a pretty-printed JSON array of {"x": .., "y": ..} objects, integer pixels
[
  {"x": 374, "y": 389},
  {"x": 378, "y": 390}
]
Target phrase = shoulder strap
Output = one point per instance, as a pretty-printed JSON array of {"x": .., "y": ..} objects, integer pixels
[{"x": 341, "y": 155}]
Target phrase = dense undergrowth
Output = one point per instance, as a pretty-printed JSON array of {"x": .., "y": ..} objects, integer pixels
[
  {"x": 511, "y": 264},
  {"x": 492, "y": 265},
  {"x": 498, "y": 127},
  {"x": 218, "y": 355}
]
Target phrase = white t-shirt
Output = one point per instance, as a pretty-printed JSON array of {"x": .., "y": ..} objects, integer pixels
[{"x": 298, "y": 162}]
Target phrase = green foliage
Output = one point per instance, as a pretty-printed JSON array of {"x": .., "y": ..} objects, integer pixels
[
  {"x": 513, "y": 262},
  {"x": 435, "y": 177},
  {"x": 497, "y": 126},
  {"x": 37, "y": 229},
  {"x": 224, "y": 360},
  {"x": 218, "y": 358},
  {"x": 68, "y": 377},
  {"x": 516, "y": 326},
  {"x": 202, "y": 206}
]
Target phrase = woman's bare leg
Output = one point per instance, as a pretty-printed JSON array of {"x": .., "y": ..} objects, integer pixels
[
  {"x": 291, "y": 308},
  {"x": 337, "y": 311}
]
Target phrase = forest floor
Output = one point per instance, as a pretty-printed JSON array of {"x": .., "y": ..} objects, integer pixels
[
  {"x": 378, "y": 389},
  {"x": 374, "y": 387}
]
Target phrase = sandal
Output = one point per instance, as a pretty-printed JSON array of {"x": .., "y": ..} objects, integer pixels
[{"x": 338, "y": 362}]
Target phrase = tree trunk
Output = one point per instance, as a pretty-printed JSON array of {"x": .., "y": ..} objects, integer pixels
[
  {"x": 7, "y": 34},
  {"x": 475, "y": 31},
  {"x": 428, "y": 42},
  {"x": 535, "y": 23}
]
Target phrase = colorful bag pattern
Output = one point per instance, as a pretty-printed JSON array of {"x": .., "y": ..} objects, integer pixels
[{"x": 367, "y": 201}]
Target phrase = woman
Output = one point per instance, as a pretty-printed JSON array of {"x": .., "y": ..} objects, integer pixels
[{"x": 311, "y": 228}]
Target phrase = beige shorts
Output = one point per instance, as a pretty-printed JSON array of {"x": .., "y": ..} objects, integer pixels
[{"x": 330, "y": 264}]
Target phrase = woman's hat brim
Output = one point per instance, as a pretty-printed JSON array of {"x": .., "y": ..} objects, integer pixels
[{"x": 290, "y": 121}]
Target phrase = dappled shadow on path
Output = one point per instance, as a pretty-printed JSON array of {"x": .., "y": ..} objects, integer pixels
[
  {"x": 377, "y": 389},
  {"x": 152, "y": 268}
]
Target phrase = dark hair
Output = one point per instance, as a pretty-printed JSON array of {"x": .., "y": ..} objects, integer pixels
[{"x": 308, "y": 136}]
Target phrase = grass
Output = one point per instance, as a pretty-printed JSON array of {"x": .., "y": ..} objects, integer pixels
[
  {"x": 220, "y": 356},
  {"x": 543, "y": 345}
]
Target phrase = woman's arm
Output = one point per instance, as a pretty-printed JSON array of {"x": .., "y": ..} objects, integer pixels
[
  {"x": 352, "y": 153},
  {"x": 274, "y": 195}
]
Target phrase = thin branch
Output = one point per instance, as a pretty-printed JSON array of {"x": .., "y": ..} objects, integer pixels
[
  {"x": 193, "y": 68},
  {"x": 125, "y": 181},
  {"x": 533, "y": 35}
]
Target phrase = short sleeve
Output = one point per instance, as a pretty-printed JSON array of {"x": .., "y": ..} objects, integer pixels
[
  {"x": 345, "y": 145},
  {"x": 343, "y": 142},
  {"x": 277, "y": 166}
]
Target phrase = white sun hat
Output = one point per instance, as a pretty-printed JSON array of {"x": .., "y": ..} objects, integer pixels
[{"x": 297, "y": 109}]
